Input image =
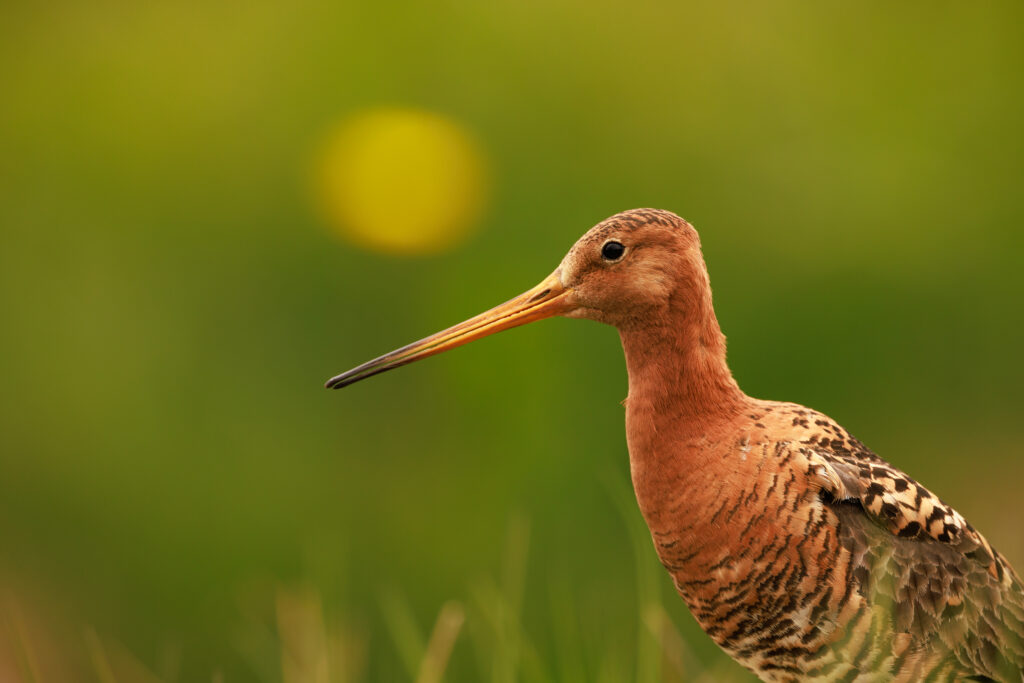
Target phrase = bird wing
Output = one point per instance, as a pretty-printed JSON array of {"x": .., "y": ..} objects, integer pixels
[
  {"x": 913, "y": 551},
  {"x": 899, "y": 504}
]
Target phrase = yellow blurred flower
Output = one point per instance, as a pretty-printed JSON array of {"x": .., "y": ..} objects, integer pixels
[{"x": 401, "y": 181}]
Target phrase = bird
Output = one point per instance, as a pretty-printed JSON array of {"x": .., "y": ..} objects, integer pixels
[{"x": 801, "y": 553}]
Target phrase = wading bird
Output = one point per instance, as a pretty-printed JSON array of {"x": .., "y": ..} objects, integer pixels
[{"x": 800, "y": 552}]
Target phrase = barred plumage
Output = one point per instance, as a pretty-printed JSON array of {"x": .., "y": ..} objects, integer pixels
[
  {"x": 805, "y": 573},
  {"x": 798, "y": 550}
]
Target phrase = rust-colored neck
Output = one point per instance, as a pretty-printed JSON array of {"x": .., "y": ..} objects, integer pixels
[
  {"x": 677, "y": 368},
  {"x": 682, "y": 402}
]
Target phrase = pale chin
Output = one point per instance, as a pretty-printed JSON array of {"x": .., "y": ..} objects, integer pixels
[{"x": 585, "y": 313}]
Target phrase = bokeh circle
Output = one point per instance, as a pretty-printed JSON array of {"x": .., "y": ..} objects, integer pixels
[{"x": 401, "y": 181}]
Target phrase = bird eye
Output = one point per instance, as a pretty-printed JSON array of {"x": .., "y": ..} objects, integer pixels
[{"x": 612, "y": 251}]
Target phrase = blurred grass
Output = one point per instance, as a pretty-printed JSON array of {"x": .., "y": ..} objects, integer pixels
[
  {"x": 170, "y": 303},
  {"x": 290, "y": 634}
]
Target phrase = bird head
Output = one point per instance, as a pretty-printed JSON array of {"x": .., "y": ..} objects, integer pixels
[{"x": 623, "y": 271}]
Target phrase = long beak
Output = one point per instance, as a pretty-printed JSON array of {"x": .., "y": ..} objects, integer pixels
[{"x": 547, "y": 299}]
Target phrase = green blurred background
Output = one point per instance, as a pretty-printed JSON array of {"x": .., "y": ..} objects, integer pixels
[{"x": 181, "y": 500}]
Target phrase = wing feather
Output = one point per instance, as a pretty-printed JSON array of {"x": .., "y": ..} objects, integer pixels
[{"x": 941, "y": 578}]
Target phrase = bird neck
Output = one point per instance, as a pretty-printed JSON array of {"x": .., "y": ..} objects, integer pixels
[
  {"x": 682, "y": 400},
  {"x": 678, "y": 376}
]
